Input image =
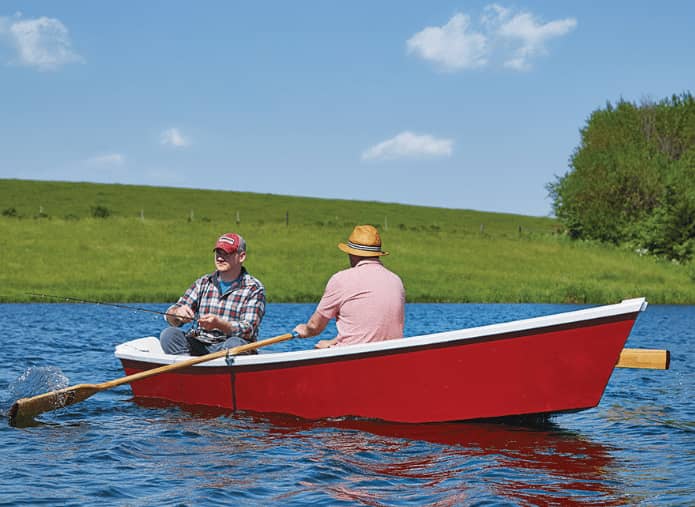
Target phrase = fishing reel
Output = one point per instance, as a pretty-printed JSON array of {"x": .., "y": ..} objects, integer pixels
[{"x": 203, "y": 336}]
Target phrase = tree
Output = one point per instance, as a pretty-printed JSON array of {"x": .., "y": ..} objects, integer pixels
[{"x": 632, "y": 179}]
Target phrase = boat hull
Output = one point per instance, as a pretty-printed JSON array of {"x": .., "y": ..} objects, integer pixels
[{"x": 551, "y": 369}]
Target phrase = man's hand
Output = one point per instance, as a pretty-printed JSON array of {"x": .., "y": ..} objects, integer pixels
[
  {"x": 180, "y": 315},
  {"x": 324, "y": 344},
  {"x": 210, "y": 321},
  {"x": 302, "y": 330}
]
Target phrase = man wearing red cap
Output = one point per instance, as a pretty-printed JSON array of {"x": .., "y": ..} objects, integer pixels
[
  {"x": 367, "y": 300},
  {"x": 226, "y": 306}
]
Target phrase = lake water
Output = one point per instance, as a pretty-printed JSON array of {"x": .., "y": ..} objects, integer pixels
[{"x": 636, "y": 448}]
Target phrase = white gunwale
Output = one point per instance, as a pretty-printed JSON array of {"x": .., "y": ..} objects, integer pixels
[{"x": 147, "y": 349}]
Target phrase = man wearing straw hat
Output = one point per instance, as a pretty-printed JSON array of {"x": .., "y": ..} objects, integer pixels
[{"x": 366, "y": 300}]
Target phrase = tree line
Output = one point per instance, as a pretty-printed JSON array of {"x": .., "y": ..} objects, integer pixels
[{"x": 632, "y": 178}]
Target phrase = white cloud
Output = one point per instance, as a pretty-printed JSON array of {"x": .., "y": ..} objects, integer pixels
[
  {"x": 174, "y": 137},
  {"x": 453, "y": 46},
  {"x": 106, "y": 160},
  {"x": 42, "y": 43},
  {"x": 503, "y": 36},
  {"x": 530, "y": 34},
  {"x": 409, "y": 145}
]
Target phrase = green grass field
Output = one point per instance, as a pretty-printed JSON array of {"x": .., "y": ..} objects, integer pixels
[{"x": 156, "y": 241}]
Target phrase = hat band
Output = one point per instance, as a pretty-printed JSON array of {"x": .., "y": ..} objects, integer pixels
[{"x": 364, "y": 247}]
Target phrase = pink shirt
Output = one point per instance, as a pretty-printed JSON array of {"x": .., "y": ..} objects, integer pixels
[{"x": 367, "y": 301}]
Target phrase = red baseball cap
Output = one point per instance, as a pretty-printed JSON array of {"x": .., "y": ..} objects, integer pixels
[{"x": 231, "y": 243}]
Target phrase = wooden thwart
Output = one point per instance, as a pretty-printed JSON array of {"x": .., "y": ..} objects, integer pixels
[
  {"x": 25, "y": 409},
  {"x": 644, "y": 358}
]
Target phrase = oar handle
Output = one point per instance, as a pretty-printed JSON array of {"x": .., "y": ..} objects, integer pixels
[
  {"x": 196, "y": 360},
  {"x": 654, "y": 359}
]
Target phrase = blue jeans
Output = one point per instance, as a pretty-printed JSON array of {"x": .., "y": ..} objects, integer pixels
[{"x": 174, "y": 341}]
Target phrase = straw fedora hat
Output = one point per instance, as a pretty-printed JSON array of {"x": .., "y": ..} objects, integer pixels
[{"x": 364, "y": 241}]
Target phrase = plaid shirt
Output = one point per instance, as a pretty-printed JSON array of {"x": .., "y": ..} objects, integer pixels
[{"x": 243, "y": 305}]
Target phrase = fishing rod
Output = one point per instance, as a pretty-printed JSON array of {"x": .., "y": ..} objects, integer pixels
[
  {"x": 194, "y": 332},
  {"x": 125, "y": 307}
]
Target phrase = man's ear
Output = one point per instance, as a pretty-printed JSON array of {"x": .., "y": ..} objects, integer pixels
[{"x": 242, "y": 256}]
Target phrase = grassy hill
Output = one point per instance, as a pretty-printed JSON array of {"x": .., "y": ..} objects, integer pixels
[{"x": 137, "y": 243}]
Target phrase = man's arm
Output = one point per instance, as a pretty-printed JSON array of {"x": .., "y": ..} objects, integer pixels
[
  {"x": 183, "y": 311},
  {"x": 317, "y": 323},
  {"x": 250, "y": 316}
]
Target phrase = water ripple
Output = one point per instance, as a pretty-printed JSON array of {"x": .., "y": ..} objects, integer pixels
[{"x": 635, "y": 448}]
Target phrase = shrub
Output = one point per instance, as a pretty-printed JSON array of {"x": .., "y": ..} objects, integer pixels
[{"x": 100, "y": 212}]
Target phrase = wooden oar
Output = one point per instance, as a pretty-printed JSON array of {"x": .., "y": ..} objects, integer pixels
[
  {"x": 25, "y": 409},
  {"x": 644, "y": 358}
]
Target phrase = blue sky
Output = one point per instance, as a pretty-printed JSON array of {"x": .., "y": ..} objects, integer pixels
[{"x": 457, "y": 104}]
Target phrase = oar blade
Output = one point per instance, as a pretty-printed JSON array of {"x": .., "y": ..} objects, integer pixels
[{"x": 24, "y": 410}]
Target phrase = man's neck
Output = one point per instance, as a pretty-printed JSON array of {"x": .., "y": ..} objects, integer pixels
[
  {"x": 355, "y": 260},
  {"x": 229, "y": 276}
]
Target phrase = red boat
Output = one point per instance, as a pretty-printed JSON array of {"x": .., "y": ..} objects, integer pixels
[{"x": 538, "y": 366}]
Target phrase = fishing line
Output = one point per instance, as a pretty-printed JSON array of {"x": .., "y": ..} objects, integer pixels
[{"x": 125, "y": 307}]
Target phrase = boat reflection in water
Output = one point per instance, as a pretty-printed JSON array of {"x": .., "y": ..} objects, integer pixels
[{"x": 526, "y": 462}]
